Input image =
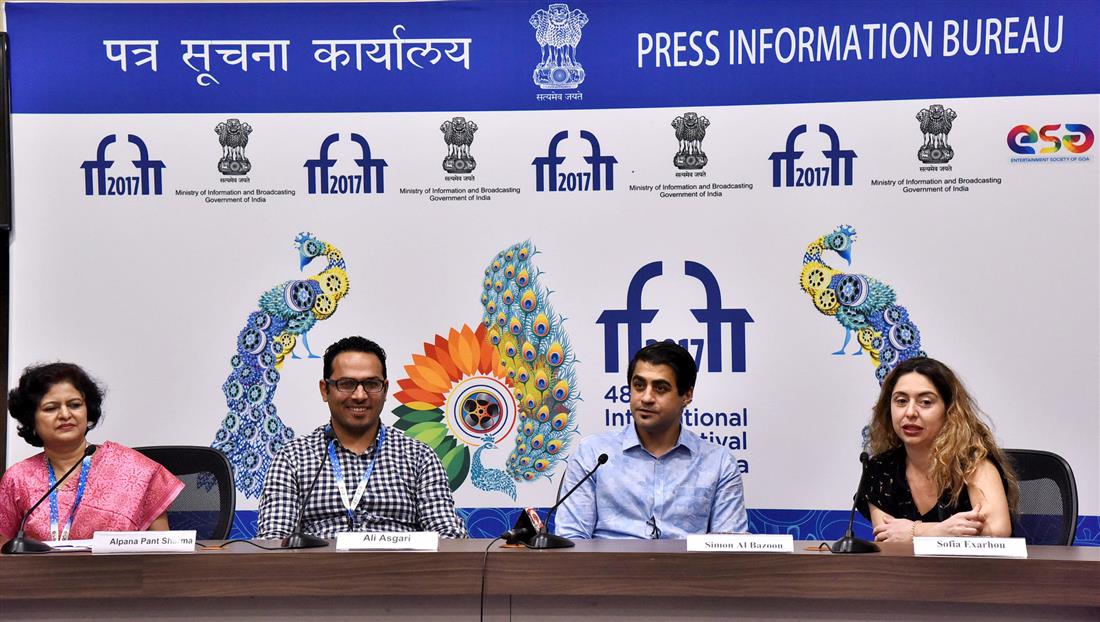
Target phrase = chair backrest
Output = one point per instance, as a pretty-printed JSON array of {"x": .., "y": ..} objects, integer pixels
[
  {"x": 1048, "y": 497},
  {"x": 208, "y": 498}
]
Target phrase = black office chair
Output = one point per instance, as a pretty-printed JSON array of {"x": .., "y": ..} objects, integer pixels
[
  {"x": 208, "y": 499},
  {"x": 1048, "y": 497}
]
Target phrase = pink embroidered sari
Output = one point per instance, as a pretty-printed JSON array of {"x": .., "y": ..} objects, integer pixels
[{"x": 125, "y": 492}]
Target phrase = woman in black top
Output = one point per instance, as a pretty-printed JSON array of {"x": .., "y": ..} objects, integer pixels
[{"x": 936, "y": 470}]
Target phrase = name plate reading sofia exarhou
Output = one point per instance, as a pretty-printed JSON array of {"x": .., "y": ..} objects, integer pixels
[
  {"x": 143, "y": 541},
  {"x": 388, "y": 541},
  {"x": 971, "y": 547},
  {"x": 742, "y": 543}
]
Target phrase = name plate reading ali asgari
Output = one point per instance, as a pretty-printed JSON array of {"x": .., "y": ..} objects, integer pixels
[{"x": 387, "y": 541}]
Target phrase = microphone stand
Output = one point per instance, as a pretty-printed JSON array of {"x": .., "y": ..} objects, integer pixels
[
  {"x": 300, "y": 539},
  {"x": 21, "y": 543},
  {"x": 546, "y": 540},
  {"x": 849, "y": 543},
  {"x": 528, "y": 524}
]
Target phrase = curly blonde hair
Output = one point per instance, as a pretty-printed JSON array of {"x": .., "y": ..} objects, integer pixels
[{"x": 963, "y": 442}]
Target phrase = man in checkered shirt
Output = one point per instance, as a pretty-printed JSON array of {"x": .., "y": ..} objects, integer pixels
[{"x": 406, "y": 486}]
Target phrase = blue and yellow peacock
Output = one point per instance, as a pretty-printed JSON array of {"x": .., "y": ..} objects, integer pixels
[
  {"x": 252, "y": 433},
  {"x": 514, "y": 373},
  {"x": 863, "y": 305}
]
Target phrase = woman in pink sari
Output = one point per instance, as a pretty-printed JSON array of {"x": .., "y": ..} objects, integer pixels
[{"x": 114, "y": 489}]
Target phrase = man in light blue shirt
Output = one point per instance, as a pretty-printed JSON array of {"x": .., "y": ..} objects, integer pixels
[{"x": 660, "y": 480}]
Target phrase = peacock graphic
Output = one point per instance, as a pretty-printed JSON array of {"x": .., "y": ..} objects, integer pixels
[
  {"x": 862, "y": 304},
  {"x": 252, "y": 433},
  {"x": 514, "y": 373},
  {"x": 491, "y": 479}
]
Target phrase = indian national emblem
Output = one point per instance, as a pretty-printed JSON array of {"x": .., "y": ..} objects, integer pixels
[
  {"x": 458, "y": 133},
  {"x": 233, "y": 136},
  {"x": 935, "y": 123},
  {"x": 691, "y": 129},
  {"x": 558, "y": 31}
]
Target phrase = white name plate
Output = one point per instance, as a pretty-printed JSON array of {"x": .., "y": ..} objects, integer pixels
[
  {"x": 387, "y": 541},
  {"x": 741, "y": 543},
  {"x": 971, "y": 547},
  {"x": 143, "y": 541}
]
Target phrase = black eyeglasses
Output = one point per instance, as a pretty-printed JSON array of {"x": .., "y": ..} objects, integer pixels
[
  {"x": 654, "y": 532},
  {"x": 348, "y": 385}
]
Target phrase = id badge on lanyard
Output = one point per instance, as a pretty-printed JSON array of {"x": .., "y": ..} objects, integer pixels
[
  {"x": 54, "y": 518},
  {"x": 338, "y": 474}
]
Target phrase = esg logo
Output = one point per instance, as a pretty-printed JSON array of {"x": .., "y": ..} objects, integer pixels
[{"x": 1079, "y": 138}]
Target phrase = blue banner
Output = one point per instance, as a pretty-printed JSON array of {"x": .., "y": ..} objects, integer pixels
[{"x": 145, "y": 58}]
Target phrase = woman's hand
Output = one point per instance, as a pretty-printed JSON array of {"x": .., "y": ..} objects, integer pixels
[
  {"x": 893, "y": 529},
  {"x": 962, "y": 524}
]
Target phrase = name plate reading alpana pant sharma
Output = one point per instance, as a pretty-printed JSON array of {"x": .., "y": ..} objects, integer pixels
[
  {"x": 971, "y": 547},
  {"x": 143, "y": 541},
  {"x": 388, "y": 540},
  {"x": 742, "y": 543}
]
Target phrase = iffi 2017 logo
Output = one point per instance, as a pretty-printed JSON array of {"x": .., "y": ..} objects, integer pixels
[
  {"x": 147, "y": 179},
  {"x": 1077, "y": 138},
  {"x": 368, "y": 180},
  {"x": 713, "y": 316},
  {"x": 599, "y": 176},
  {"x": 837, "y": 173}
]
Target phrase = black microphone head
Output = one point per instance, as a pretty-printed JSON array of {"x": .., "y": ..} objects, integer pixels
[
  {"x": 89, "y": 450},
  {"x": 517, "y": 533},
  {"x": 864, "y": 457},
  {"x": 602, "y": 459},
  {"x": 329, "y": 433}
]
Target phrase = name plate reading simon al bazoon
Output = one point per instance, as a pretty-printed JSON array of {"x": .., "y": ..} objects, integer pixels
[
  {"x": 143, "y": 541},
  {"x": 971, "y": 547},
  {"x": 388, "y": 541},
  {"x": 741, "y": 543}
]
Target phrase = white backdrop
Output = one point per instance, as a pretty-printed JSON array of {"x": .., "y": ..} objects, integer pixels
[{"x": 149, "y": 293}]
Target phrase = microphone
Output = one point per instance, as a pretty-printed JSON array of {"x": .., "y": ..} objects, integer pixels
[
  {"x": 528, "y": 523},
  {"x": 849, "y": 543},
  {"x": 22, "y": 544},
  {"x": 545, "y": 540},
  {"x": 299, "y": 539}
]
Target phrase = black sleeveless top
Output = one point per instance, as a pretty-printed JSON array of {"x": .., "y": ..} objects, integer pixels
[{"x": 889, "y": 491}]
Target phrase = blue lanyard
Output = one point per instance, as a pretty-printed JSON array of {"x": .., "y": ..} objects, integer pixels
[
  {"x": 84, "y": 468},
  {"x": 338, "y": 473}
]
